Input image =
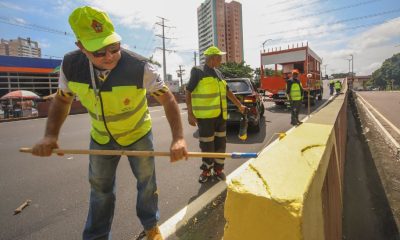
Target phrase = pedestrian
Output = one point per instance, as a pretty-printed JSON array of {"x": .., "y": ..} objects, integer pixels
[
  {"x": 331, "y": 86},
  {"x": 338, "y": 86},
  {"x": 111, "y": 82},
  {"x": 294, "y": 92},
  {"x": 206, "y": 101}
]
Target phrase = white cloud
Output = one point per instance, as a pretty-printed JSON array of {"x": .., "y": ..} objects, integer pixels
[{"x": 332, "y": 42}]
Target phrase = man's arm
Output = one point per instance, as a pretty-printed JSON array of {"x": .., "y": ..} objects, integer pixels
[
  {"x": 235, "y": 101},
  {"x": 178, "y": 146},
  {"x": 58, "y": 112},
  {"x": 191, "y": 118}
]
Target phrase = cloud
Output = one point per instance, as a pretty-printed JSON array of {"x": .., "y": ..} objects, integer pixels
[
  {"x": 333, "y": 42},
  {"x": 377, "y": 35}
]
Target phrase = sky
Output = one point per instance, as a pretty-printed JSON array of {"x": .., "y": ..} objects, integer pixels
[{"x": 334, "y": 29}]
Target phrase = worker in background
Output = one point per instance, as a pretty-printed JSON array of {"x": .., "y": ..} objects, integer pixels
[
  {"x": 206, "y": 102},
  {"x": 294, "y": 92},
  {"x": 111, "y": 82},
  {"x": 338, "y": 86},
  {"x": 331, "y": 86}
]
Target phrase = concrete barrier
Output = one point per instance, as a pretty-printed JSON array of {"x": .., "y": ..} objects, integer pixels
[{"x": 293, "y": 190}]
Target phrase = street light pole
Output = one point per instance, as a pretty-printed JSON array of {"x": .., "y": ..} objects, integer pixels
[
  {"x": 352, "y": 69},
  {"x": 263, "y": 44}
]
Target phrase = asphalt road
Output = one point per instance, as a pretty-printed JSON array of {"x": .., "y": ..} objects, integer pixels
[
  {"x": 59, "y": 189},
  {"x": 387, "y": 103}
]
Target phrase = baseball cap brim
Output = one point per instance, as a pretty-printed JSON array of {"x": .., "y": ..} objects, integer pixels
[{"x": 98, "y": 43}]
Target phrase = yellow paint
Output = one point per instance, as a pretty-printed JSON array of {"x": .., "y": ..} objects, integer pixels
[{"x": 279, "y": 195}]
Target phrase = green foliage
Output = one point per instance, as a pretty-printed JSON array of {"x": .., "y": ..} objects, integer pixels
[
  {"x": 236, "y": 70},
  {"x": 390, "y": 71},
  {"x": 340, "y": 75},
  {"x": 151, "y": 60}
]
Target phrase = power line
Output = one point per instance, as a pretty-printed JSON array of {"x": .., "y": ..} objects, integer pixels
[
  {"x": 338, "y": 30},
  {"x": 337, "y": 22},
  {"x": 36, "y": 27},
  {"x": 329, "y": 11}
]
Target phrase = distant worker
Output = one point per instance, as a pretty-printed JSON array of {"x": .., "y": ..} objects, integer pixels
[
  {"x": 206, "y": 102},
  {"x": 331, "y": 86},
  {"x": 294, "y": 92},
  {"x": 338, "y": 86},
  {"x": 112, "y": 82}
]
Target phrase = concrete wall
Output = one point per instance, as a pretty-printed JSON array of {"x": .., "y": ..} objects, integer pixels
[{"x": 293, "y": 190}]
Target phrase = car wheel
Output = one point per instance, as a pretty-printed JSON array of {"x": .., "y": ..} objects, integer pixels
[
  {"x": 255, "y": 128},
  {"x": 262, "y": 109}
]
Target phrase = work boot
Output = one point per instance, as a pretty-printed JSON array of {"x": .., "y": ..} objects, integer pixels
[
  {"x": 154, "y": 234},
  {"x": 220, "y": 174},
  {"x": 204, "y": 175}
]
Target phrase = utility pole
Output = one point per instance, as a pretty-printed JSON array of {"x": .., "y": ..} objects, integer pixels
[
  {"x": 180, "y": 73},
  {"x": 195, "y": 58},
  {"x": 163, "y": 47},
  {"x": 325, "y": 68},
  {"x": 352, "y": 69}
]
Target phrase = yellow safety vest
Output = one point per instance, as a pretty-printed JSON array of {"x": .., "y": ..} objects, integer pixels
[
  {"x": 209, "y": 98},
  {"x": 295, "y": 92},
  {"x": 338, "y": 85},
  {"x": 121, "y": 110}
]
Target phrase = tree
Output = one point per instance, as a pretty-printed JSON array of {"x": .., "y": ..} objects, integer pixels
[
  {"x": 388, "y": 73},
  {"x": 151, "y": 60},
  {"x": 236, "y": 70},
  {"x": 340, "y": 75}
]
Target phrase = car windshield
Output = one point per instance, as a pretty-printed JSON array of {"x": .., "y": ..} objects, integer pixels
[{"x": 238, "y": 86}]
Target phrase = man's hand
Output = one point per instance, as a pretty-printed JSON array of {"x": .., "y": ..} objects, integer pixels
[
  {"x": 192, "y": 119},
  {"x": 242, "y": 108},
  {"x": 44, "y": 147},
  {"x": 178, "y": 150}
]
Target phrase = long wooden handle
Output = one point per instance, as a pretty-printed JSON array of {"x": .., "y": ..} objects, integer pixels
[{"x": 146, "y": 153}]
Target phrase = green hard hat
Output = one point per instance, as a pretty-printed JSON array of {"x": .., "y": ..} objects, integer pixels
[
  {"x": 93, "y": 28},
  {"x": 213, "y": 50}
]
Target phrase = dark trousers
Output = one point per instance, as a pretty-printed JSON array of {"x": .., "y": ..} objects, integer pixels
[
  {"x": 212, "y": 137},
  {"x": 295, "y": 111}
]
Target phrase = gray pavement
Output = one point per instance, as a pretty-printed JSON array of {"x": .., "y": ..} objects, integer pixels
[{"x": 59, "y": 189}]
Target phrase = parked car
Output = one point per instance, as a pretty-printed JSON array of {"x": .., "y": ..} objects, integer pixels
[{"x": 245, "y": 91}]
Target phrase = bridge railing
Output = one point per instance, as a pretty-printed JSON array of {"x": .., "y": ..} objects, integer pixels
[{"x": 293, "y": 190}]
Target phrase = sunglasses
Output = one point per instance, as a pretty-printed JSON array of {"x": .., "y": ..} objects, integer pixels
[{"x": 114, "y": 48}]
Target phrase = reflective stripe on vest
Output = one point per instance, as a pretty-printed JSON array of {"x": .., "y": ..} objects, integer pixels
[
  {"x": 125, "y": 112},
  {"x": 295, "y": 92},
  {"x": 209, "y": 97}
]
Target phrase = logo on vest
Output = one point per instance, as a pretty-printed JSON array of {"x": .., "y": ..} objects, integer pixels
[
  {"x": 127, "y": 101},
  {"x": 97, "y": 27}
]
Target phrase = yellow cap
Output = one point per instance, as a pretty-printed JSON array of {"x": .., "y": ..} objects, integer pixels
[
  {"x": 93, "y": 28},
  {"x": 213, "y": 50}
]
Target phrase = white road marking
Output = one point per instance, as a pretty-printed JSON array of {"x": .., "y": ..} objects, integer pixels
[
  {"x": 380, "y": 115},
  {"x": 396, "y": 144}
]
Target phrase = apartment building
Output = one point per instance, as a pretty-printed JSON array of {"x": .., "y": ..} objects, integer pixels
[
  {"x": 220, "y": 24},
  {"x": 20, "y": 47}
]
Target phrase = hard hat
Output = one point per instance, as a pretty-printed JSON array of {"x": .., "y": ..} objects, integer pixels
[{"x": 295, "y": 71}]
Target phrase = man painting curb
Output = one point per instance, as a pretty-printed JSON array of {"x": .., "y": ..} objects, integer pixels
[{"x": 111, "y": 82}]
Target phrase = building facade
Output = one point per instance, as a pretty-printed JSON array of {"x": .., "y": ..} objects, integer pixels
[
  {"x": 24, "y": 73},
  {"x": 20, "y": 47},
  {"x": 220, "y": 24}
]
